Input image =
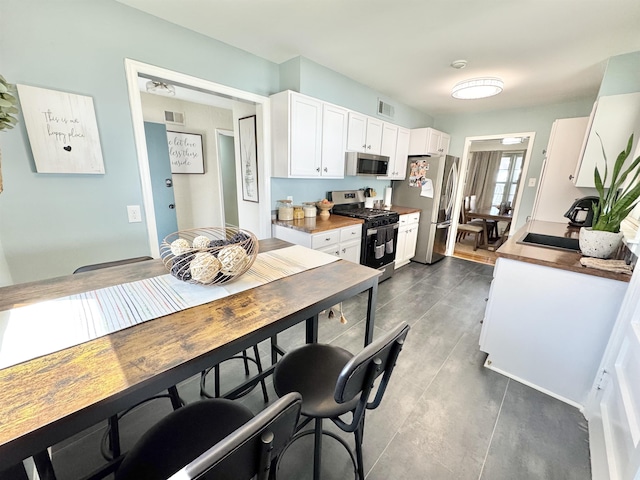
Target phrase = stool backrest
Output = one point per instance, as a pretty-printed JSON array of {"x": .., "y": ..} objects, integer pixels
[
  {"x": 247, "y": 452},
  {"x": 378, "y": 357}
]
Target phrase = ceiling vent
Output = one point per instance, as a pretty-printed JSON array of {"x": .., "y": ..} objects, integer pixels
[
  {"x": 176, "y": 118},
  {"x": 385, "y": 109}
]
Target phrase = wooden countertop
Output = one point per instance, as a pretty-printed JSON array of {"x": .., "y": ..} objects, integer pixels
[
  {"x": 403, "y": 210},
  {"x": 317, "y": 224},
  {"x": 550, "y": 257}
]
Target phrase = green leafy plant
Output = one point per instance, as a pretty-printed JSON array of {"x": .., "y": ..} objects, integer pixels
[
  {"x": 621, "y": 197},
  {"x": 8, "y": 105}
]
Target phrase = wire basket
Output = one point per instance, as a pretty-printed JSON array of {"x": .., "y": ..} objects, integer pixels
[{"x": 209, "y": 256}]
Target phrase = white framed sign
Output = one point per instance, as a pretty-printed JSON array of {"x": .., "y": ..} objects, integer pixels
[
  {"x": 62, "y": 130},
  {"x": 185, "y": 152}
]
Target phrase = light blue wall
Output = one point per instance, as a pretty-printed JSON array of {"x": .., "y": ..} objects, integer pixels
[
  {"x": 534, "y": 119},
  {"x": 622, "y": 75},
  {"x": 320, "y": 82},
  {"x": 50, "y": 223}
]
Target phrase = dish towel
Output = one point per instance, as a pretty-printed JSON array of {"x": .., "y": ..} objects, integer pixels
[
  {"x": 381, "y": 240},
  {"x": 389, "y": 239}
]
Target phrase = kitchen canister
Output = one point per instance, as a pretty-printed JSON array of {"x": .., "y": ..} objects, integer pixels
[
  {"x": 309, "y": 209},
  {"x": 298, "y": 212},
  {"x": 285, "y": 210}
]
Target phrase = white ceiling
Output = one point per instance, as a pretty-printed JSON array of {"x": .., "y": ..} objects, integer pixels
[{"x": 546, "y": 51}]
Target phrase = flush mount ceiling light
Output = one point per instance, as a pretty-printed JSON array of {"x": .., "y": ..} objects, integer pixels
[
  {"x": 511, "y": 140},
  {"x": 160, "y": 88},
  {"x": 477, "y": 88}
]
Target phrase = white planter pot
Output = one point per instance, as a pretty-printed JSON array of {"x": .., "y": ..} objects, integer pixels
[{"x": 598, "y": 244}]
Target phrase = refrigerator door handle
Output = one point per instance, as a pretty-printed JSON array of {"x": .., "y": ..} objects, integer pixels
[{"x": 442, "y": 225}]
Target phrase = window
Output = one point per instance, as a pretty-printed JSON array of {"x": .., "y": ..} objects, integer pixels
[{"x": 507, "y": 178}]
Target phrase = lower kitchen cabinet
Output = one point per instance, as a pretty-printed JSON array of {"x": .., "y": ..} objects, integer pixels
[
  {"x": 548, "y": 327},
  {"x": 407, "y": 238},
  {"x": 342, "y": 242}
]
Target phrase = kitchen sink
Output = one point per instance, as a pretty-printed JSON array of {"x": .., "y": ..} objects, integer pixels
[{"x": 550, "y": 241}]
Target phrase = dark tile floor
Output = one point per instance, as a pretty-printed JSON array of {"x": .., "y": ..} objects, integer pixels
[{"x": 444, "y": 415}]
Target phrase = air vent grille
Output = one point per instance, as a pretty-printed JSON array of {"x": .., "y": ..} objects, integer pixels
[
  {"x": 385, "y": 109},
  {"x": 176, "y": 118}
]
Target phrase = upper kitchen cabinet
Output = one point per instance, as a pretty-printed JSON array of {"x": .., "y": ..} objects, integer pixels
[
  {"x": 613, "y": 118},
  {"x": 395, "y": 145},
  {"x": 364, "y": 134},
  {"x": 428, "y": 141},
  {"x": 308, "y": 137}
]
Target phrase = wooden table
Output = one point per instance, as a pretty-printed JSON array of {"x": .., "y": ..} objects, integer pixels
[
  {"x": 490, "y": 214},
  {"x": 50, "y": 398}
]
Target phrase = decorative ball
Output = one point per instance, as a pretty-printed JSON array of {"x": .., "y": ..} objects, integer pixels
[
  {"x": 201, "y": 242},
  {"x": 232, "y": 259},
  {"x": 204, "y": 267},
  {"x": 239, "y": 238},
  {"x": 180, "y": 246},
  {"x": 217, "y": 243},
  {"x": 180, "y": 266}
]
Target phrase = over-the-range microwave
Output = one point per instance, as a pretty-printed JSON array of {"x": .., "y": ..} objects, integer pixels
[{"x": 360, "y": 163}]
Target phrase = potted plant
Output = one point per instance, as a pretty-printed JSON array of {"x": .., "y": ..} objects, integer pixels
[
  {"x": 8, "y": 110},
  {"x": 613, "y": 205}
]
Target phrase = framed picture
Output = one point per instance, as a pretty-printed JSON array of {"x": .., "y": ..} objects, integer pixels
[
  {"x": 248, "y": 158},
  {"x": 185, "y": 152},
  {"x": 63, "y": 131}
]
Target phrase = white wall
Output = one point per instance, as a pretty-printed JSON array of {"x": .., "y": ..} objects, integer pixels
[{"x": 198, "y": 197}]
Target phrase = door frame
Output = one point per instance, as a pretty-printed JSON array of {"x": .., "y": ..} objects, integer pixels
[
  {"x": 462, "y": 178},
  {"x": 133, "y": 69},
  {"x": 223, "y": 132}
]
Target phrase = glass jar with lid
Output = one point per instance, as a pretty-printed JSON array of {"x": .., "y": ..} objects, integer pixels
[
  {"x": 285, "y": 209},
  {"x": 310, "y": 209},
  {"x": 298, "y": 212}
]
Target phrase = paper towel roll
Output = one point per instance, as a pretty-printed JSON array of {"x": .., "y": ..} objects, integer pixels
[
  {"x": 368, "y": 202},
  {"x": 387, "y": 196}
]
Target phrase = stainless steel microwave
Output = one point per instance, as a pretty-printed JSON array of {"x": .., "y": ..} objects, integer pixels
[{"x": 359, "y": 163}]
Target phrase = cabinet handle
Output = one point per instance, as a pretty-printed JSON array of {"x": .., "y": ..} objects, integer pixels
[
  {"x": 337, "y": 253},
  {"x": 318, "y": 169},
  {"x": 327, "y": 239},
  {"x": 571, "y": 177},
  {"x": 364, "y": 146},
  {"x": 326, "y": 169},
  {"x": 344, "y": 250}
]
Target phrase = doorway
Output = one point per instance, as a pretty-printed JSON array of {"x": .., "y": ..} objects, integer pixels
[
  {"x": 493, "y": 171},
  {"x": 252, "y": 216},
  {"x": 227, "y": 163}
]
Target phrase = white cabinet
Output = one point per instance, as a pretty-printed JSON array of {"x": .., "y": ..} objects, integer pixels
[
  {"x": 407, "y": 238},
  {"x": 397, "y": 153},
  {"x": 556, "y": 191},
  {"x": 364, "y": 133},
  {"x": 543, "y": 328},
  {"x": 614, "y": 118},
  {"x": 308, "y": 137},
  {"x": 428, "y": 141},
  {"x": 342, "y": 242}
]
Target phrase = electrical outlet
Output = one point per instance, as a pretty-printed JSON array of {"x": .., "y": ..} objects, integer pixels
[
  {"x": 532, "y": 182},
  {"x": 134, "y": 213}
]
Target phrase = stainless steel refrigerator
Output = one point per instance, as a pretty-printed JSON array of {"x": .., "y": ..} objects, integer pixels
[{"x": 430, "y": 185}]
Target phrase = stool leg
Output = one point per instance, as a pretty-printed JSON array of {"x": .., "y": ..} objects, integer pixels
[
  {"x": 176, "y": 401},
  {"x": 262, "y": 382},
  {"x": 246, "y": 362},
  {"x": 216, "y": 371},
  {"x": 44, "y": 465},
  {"x": 317, "y": 449},
  {"x": 358, "y": 435},
  {"x": 114, "y": 436}
]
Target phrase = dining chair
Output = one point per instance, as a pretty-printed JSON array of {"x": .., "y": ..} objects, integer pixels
[
  {"x": 333, "y": 382},
  {"x": 215, "y": 438}
]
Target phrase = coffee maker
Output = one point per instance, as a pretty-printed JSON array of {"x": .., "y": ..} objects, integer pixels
[{"x": 581, "y": 212}]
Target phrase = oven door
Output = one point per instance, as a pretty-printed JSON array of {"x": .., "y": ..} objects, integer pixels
[{"x": 379, "y": 245}]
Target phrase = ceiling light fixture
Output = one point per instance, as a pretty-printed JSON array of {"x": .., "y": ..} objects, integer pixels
[
  {"x": 160, "y": 88},
  {"x": 477, "y": 88},
  {"x": 511, "y": 140},
  {"x": 459, "y": 64}
]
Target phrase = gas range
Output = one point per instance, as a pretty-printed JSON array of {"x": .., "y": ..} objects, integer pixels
[{"x": 350, "y": 203}]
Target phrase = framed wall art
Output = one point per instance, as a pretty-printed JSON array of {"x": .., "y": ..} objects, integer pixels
[
  {"x": 185, "y": 152},
  {"x": 248, "y": 158},
  {"x": 62, "y": 131}
]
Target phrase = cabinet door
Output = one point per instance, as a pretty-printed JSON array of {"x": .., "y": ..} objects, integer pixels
[
  {"x": 445, "y": 140},
  {"x": 433, "y": 142},
  {"x": 388, "y": 148},
  {"x": 306, "y": 134},
  {"x": 615, "y": 118},
  {"x": 334, "y": 141},
  {"x": 418, "y": 141},
  {"x": 350, "y": 251},
  {"x": 412, "y": 240},
  {"x": 401, "y": 255},
  {"x": 374, "y": 135},
  {"x": 402, "y": 153},
  {"x": 357, "y": 132}
]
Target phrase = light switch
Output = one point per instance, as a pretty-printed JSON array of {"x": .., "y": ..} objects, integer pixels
[
  {"x": 532, "y": 182},
  {"x": 134, "y": 213}
]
